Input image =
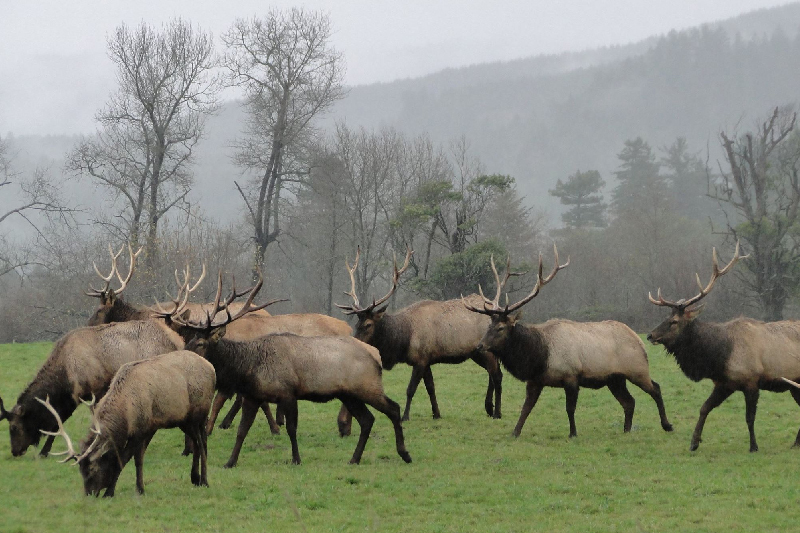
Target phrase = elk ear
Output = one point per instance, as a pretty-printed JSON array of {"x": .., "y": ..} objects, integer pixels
[
  {"x": 379, "y": 312},
  {"x": 185, "y": 315},
  {"x": 217, "y": 334},
  {"x": 109, "y": 298},
  {"x": 693, "y": 313},
  {"x": 512, "y": 319}
]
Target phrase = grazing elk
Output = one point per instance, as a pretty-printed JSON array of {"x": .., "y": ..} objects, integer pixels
[
  {"x": 566, "y": 354},
  {"x": 421, "y": 335},
  {"x": 170, "y": 390},
  {"x": 284, "y": 368},
  {"x": 740, "y": 355},
  {"x": 82, "y": 363}
]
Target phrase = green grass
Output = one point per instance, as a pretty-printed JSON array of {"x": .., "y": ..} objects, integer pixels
[{"x": 468, "y": 473}]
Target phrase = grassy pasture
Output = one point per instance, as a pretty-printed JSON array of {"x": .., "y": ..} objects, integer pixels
[{"x": 468, "y": 474}]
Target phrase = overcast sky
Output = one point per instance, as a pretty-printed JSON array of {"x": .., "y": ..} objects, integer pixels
[{"x": 54, "y": 72}]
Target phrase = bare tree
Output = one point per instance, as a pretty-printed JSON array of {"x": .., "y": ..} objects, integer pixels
[
  {"x": 149, "y": 127},
  {"x": 37, "y": 201},
  {"x": 762, "y": 185},
  {"x": 290, "y": 74}
]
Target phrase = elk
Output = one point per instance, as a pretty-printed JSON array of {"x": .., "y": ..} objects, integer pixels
[
  {"x": 565, "y": 354},
  {"x": 740, "y": 355},
  {"x": 82, "y": 362},
  {"x": 420, "y": 335},
  {"x": 170, "y": 390},
  {"x": 284, "y": 368}
]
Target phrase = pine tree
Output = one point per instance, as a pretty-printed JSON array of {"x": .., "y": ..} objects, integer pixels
[
  {"x": 583, "y": 191},
  {"x": 641, "y": 188}
]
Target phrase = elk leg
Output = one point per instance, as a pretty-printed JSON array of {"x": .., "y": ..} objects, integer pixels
[
  {"x": 365, "y": 420},
  {"x": 751, "y": 402},
  {"x": 390, "y": 408},
  {"x": 345, "y": 421},
  {"x": 228, "y": 420},
  {"x": 427, "y": 378},
  {"x": 488, "y": 362},
  {"x": 273, "y": 426},
  {"x": 138, "y": 461},
  {"x": 194, "y": 433},
  {"x": 620, "y": 391},
  {"x": 572, "y": 401},
  {"x": 280, "y": 419},
  {"x": 48, "y": 443},
  {"x": 216, "y": 407},
  {"x": 654, "y": 390},
  {"x": 249, "y": 411},
  {"x": 203, "y": 440},
  {"x": 290, "y": 411},
  {"x": 796, "y": 395},
  {"x": 416, "y": 375},
  {"x": 188, "y": 445},
  {"x": 532, "y": 392},
  {"x": 718, "y": 395}
]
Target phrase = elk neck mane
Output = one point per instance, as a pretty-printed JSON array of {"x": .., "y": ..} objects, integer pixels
[
  {"x": 702, "y": 350},
  {"x": 122, "y": 311},
  {"x": 392, "y": 338},
  {"x": 526, "y": 353}
]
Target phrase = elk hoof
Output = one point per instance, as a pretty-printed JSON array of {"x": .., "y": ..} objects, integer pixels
[
  {"x": 224, "y": 425},
  {"x": 229, "y": 464},
  {"x": 404, "y": 419},
  {"x": 515, "y": 434},
  {"x": 275, "y": 431},
  {"x": 344, "y": 430},
  {"x": 437, "y": 416},
  {"x": 694, "y": 445},
  {"x": 753, "y": 448},
  {"x": 667, "y": 426},
  {"x": 405, "y": 456},
  {"x": 573, "y": 435}
]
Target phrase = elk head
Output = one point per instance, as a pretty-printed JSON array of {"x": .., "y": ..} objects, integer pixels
[
  {"x": 22, "y": 428},
  {"x": 370, "y": 316},
  {"x": 110, "y": 309},
  {"x": 682, "y": 311},
  {"x": 504, "y": 318}
]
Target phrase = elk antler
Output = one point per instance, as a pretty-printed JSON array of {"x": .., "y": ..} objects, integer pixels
[
  {"x": 223, "y": 306},
  {"x": 716, "y": 272},
  {"x": 107, "y": 291},
  {"x": 70, "y": 451},
  {"x": 184, "y": 291},
  {"x": 356, "y": 306},
  {"x": 541, "y": 281},
  {"x": 790, "y": 382}
]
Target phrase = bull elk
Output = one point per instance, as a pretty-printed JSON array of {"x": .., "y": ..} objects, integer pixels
[
  {"x": 170, "y": 390},
  {"x": 82, "y": 363},
  {"x": 566, "y": 354},
  {"x": 284, "y": 368},
  {"x": 420, "y": 335},
  {"x": 740, "y": 355}
]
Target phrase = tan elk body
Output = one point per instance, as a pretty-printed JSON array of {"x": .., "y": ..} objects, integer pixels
[
  {"x": 566, "y": 354},
  {"x": 166, "y": 391},
  {"x": 82, "y": 363},
  {"x": 740, "y": 355},
  {"x": 423, "y": 334}
]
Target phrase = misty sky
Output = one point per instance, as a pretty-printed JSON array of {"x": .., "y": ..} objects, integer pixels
[{"x": 54, "y": 73}]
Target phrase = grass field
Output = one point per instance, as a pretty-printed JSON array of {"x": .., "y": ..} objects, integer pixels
[{"x": 468, "y": 473}]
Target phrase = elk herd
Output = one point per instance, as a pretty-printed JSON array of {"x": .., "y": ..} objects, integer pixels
[{"x": 140, "y": 369}]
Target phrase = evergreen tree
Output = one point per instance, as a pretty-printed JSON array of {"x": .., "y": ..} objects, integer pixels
[
  {"x": 641, "y": 188},
  {"x": 583, "y": 191},
  {"x": 688, "y": 175}
]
